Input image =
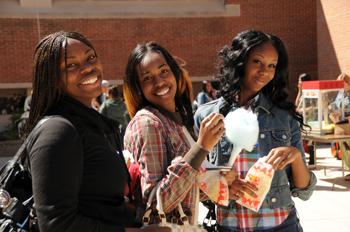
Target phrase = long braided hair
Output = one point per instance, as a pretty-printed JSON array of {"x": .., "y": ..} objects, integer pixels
[
  {"x": 46, "y": 81},
  {"x": 231, "y": 71},
  {"x": 135, "y": 100}
]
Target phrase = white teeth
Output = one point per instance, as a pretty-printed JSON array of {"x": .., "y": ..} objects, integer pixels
[
  {"x": 163, "y": 91},
  {"x": 89, "y": 81}
]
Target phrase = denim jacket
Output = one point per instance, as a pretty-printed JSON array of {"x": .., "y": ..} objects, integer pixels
[{"x": 276, "y": 128}]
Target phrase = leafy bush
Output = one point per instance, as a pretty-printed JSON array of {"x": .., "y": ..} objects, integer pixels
[{"x": 11, "y": 133}]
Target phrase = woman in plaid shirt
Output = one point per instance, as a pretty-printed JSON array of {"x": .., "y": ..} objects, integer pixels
[
  {"x": 158, "y": 96},
  {"x": 253, "y": 74}
]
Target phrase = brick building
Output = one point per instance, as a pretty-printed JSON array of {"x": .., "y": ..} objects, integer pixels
[{"x": 314, "y": 32}]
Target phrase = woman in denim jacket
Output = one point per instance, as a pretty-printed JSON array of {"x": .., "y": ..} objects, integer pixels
[{"x": 253, "y": 74}]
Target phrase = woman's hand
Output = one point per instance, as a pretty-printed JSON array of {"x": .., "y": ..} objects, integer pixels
[
  {"x": 239, "y": 187},
  {"x": 280, "y": 157},
  {"x": 211, "y": 130},
  {"x": 229, "y": 175}
]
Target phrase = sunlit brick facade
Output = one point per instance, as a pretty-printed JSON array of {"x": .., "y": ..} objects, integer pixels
[{"x": 314, "y": 32}]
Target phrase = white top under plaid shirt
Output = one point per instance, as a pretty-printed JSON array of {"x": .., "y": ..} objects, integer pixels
[{"x": 153, "y": 138}]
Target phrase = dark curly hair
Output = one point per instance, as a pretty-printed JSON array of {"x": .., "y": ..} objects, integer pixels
[
  {"x": 134, "y": 98},
  {"x": 231, "y": 71}
]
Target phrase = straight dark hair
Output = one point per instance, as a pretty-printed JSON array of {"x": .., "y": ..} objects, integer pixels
[{"x": 134, "y": 98}]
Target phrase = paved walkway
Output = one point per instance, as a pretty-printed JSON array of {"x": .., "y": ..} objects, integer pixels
[{"x": 328, "y": 209}]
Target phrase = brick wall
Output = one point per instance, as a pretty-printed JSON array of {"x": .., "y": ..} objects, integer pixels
[
  {"x": 197, "y": 40},
  {"x": 333, "y": 44}
]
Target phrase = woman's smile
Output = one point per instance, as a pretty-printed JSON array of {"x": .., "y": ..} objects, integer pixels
[
  {"x": 162, "y": 91},
  {"x": 157, "y": 81}
]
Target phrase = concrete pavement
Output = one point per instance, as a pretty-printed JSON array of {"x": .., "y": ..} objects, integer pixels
[{"x": 328, "y": 209}]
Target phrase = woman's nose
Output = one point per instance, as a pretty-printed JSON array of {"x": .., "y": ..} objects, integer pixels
[
  {"x": 158, "y": 80},
  {"x": 263, "y": 70},
  {"x": 87, "y": 68}
]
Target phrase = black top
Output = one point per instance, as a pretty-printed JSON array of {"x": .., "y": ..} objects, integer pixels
[{"x": 78, "y": 172}]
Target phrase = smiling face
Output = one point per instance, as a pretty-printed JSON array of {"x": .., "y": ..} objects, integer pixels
[
  {"x": 157, "y": 81},
  {"x": 259, "y": 70},
  {"x": 82, "y": 74}
]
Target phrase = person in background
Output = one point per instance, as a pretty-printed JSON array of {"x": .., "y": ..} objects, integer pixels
[
  {"x": 253, "y": 75},
  {"x": 207, "y": 94},
  {"x": 299, "y": 100},
  {"x": 335, "y": 107},
  {"x": 335, "y": 115},
  {"x": 158, "y": 94},
  {"x": 115, "y": 109},
  {"x": 75, "y": 158},
  {"x": 308, "y": 145},
  {"x": 22, "y": 121},
  {"x": 27, "y": 101},
  {"x": 103, "y": 96}
]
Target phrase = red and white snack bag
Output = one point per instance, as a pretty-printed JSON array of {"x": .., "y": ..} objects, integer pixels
[
  {"x": 260, "y": 174},
  {"x": 214, "y": 185}
]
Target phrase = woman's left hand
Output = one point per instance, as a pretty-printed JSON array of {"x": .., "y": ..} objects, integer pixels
[
  {"x": 229, "y": 175},
  {"x": 280, "y": 157}
]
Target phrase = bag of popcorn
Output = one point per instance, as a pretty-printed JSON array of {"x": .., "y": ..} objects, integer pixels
[{"x": 260, "y": 174}]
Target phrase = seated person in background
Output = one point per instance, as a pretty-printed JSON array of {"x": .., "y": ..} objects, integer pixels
[{"x": 335, "y": 106}]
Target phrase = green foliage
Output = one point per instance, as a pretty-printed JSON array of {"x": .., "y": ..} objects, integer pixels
[
  {"x": 15, "y": 118},
  {"x": 11, "y": 133}
]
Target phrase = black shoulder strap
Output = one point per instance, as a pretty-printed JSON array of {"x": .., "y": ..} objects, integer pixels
[{"x": 21, "y": 155}]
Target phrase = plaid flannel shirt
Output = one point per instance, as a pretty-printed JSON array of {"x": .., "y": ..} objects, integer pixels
[
  {"x": 239, "y": 218},
  {"x": 158, "y": 144}
]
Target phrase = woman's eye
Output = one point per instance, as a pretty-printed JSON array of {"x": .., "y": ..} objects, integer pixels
[
  {"x": 92, "y": 57},
  {"x": 147, "y": 78},
  {"x": 71, "y": 66},
  {"x": 165, "y": 71},
  {"x": 257, "y": 61},
  {"x": 272, "y": 66}
]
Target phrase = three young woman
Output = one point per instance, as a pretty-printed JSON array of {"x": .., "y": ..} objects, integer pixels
[{"x": 79, "y": 174}]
